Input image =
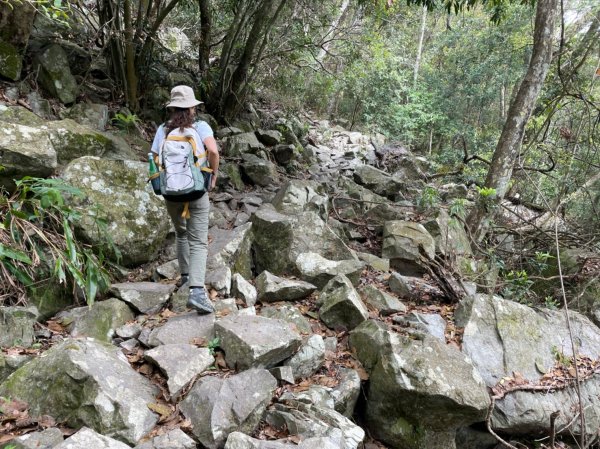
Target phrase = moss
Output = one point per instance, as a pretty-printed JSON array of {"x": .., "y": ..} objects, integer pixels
[{"x": 10, "y": 61}]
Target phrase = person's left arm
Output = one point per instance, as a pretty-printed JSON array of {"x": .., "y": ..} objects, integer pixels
[{"x": 213, "y": 158}]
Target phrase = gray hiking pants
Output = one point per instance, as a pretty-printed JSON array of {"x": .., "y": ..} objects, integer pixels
[{"x": 192, "y": 237}]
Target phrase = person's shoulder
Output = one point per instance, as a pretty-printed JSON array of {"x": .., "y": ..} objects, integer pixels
[{"x": 203, "y": 129}]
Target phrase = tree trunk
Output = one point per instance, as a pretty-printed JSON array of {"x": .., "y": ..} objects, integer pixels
[
  {"x": 131, "y": 73},
  {"x": 509, "y": 144},
  {"x": 331, "y": 31},
  {"x": 205, "y": 36},
  {"x": 420, "y": 47}
]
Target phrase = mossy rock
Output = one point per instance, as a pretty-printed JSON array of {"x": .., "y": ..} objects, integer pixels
[{"x": 11, "y": 61}]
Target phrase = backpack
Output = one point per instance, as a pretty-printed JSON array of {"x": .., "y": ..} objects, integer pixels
[{"x": 182, "y": 164}]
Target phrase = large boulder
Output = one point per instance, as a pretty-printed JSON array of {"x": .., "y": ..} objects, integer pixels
[
  {"x": 341, "y": 306},
  {"x": 231, "y": 248},
  {"x": 87, "y": 438},
  {"x": 240, "y": 144},
  {"x": 136, "y": 219},
  {"x": 183, "y": 329},
  {"x": 319, "y": 270},
  {"x": 296, "y": 196},
  {"x": 279, "y": 239},
  {"x": 273, "y": 288},
  {"x": 15, "y": 28},
  {"x": 145, "y": 297},
  {"x": 93, "y": 115},
  {"x": 55, "y": 75},
  {"x": 255, "y": 341},
  {"x": 378, "y": 181},
  {"x": 260, "y": 171},
  {"x": 17, "y": 326},
  {"x": 86, "y": 383},
  {"x": 25, "y": 151},
  {"x": 405, "y": 243},
  {"x": 503, "y": 337},
  {"x": 217, "y": 407}
]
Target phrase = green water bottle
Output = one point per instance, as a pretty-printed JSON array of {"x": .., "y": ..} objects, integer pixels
[{"x": 154, "y": 175}]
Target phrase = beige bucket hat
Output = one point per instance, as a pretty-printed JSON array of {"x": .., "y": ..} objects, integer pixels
[{"x": 183, "y": 97}]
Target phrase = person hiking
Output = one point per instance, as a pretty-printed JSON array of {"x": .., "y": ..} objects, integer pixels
[{"x": 188, "y": 206}]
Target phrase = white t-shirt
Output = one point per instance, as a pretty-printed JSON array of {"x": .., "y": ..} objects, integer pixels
[{"x": 202, "y": 128}]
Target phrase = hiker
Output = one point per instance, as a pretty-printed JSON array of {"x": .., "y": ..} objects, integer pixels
[{"x": 188, "y": 207}]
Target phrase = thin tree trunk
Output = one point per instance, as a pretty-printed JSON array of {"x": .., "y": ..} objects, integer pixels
[
  {"x": 330, "y": 32},
  {"x": 420, "y": 47},
  {"x": 509, "y": 144},
  {"x": 205, "y": 36},
  {"x": 130, "y": 68}
]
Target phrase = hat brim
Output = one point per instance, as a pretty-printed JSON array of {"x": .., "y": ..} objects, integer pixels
[{"x": 184, "y": 104}]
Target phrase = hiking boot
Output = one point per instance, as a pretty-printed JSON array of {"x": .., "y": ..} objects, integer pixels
[
  {"x": 183, "y": 280},
  {"x": 199, "y": 302}
]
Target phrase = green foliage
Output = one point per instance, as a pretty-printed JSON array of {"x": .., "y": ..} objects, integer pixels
[
  {"x": 213, "y": 345},
  {"x": 458, "y": 208},
  {"x": 517, "y": 286},
  {"x": 429, "y": 198},
  {"x": 486, "y": 192},
  {"x": 57, "y": 10},
  {"x": 125, "y": 121},
  {"x": 37, "y": 241},
  {"x": 562, "y": 359}
]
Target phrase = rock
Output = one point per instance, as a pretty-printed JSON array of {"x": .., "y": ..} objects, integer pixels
[
  {"x": 307, "y": 420},
  {"x": 220, "y": 133},
  {"x": 376, "y": 263},
  {"x": 403, "y": 242},
  {"x": 54, "y": 74},
  {"x": 92, "y": 115},
  {"x": 368, "y": 335},
  {"x": 146, "y": 297},
  {"x": 183, "y": 329},
  {"x": 341, "y": 306},
  {"x": 129, "y": 330},
  {"x": 17, "y": 326},
  {"x": 260, "y": 171},
  {"x": 309, "y": 358},
  {"x": 136, "y": 219},
  {"x": 345, "y": 395},
  {"x": 26, "y": 151},
  {"x": 279, "y": 239},
  {"x": 169, "y": 270},
  {"x": 449, "y": 234},
  {"x": 218, "y": 279},
  {"x": 297, "y": 196},
  {"x": 40, "y": 106},
  {"x": 270, "y": 137},
  {"x": 230, "y": 174},
  {"x": 85, "y": 382},
  {"x": 283, "y": 373},
  {"x": 87, "y": 438},
  {"x": 175, "y": 439},
  {"x": 99, "y": 321},
  {"x": 284, "y": 154},
  {"x": 72, "y": 140},
  {"x": 225, "y": 306},
  {"x": 273, "y": 288},
  {"x": 410, "y": 287},
  {"x": 12, "y": 62},
  {"x": 216, "y": 407},
  {"x": 254, "y": 341},
  {"x": 46, "y": 439},
  {"x": 378, "y": 181},
  {"x": 238, "y": 440},
  {"x": 242, "y": 289},
  {"x": 315, "y": 394},
  {"x": 290, "y": 314},
  {"x": 231, "y": 248},
  {"x": 430, "y": 323},
  {"x": 9, "y": 363},
  {"x": 470, "y": 438},
  {"x": 381, "y": 301},
  {"x": 319, "y": 270},
  {"x": 503, "y": 337},
  {"x": 180, "y": 363},
  {"x": 240, "y": 144},
  {"x": 174, "y": 39},
  {"x": 422, "y": 384}
]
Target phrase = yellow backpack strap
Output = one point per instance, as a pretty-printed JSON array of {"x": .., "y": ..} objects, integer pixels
[{"x": 186, "y": 210}]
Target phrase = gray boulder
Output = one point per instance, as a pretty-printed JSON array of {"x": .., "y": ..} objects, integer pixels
[
  {"x": 260, "y": 171},
  {"x": 86, "y": 383},
  {"x": 26, "y": 151},
  {"x": 9, "y": 363},
  {"x": 503, "y": 337},
  {"x": 175, "y": 439},
  {"x": 217, "y": 407},
  {"x": 93, "y": 115},
  {"x": 180, "y": 363},
  {"x": 145, "y": 297},
  {"x": 12, "y": 61},
  {"x": 403, "y": 243},
  {"x": 231, "y": 248},
  {"x": 269, "y": 137},
  {"x": 411, "y": 287},
  {"x": 381, "y": 301},
  {"x": 308, "y": 420},
  {"x": 284, "y": 154},
  {"x": 99, "y": 321},
  {"x": 422, "y": 384},
  {"x": 309, "y": 358},
  {"x": 430, "y": 323},
  {"x": 87, "y": 438},
  {"x": 241, "y": 288},
  {"x": 240, "y": 144},
  {"x": 72, "y": 140},
  {"x": 273, "y": 288},
  {"x": 378, "y": 181},
  {"x": 290, "y": 314},
  {"x": 340, "y": 304},
  {"x": 368, "y": 335},
  {"x": 17, "y": 326},
  {"x": 319, "y": 270},
  {"x": 449, "y": 234},
  {"x": 255, "y": 341},
  {"x": 297, "y": 196},
  {"x": 183, "y": 329},
  {"x": 238, "y": 440},
  {"x": 136, "y": 218},
  {"x": 46, "y": 439},
  {"x": 54, "y": 74}
]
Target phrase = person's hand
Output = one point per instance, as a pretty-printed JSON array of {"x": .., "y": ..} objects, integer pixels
[{"x": 213, "y": 181}]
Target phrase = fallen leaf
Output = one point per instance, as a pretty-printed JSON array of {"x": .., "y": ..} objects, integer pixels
[{"x": 161, "y": 409}]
